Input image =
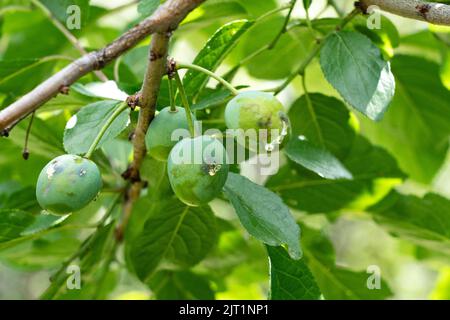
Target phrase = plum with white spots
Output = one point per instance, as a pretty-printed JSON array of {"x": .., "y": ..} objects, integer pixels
[{"x": 68, "y": 183}]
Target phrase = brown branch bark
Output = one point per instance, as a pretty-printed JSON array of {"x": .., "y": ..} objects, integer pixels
[
  {"x": 157, "y": 68},
  {"x": 432, "y": 12},
  {"x": 165, "y": 19}
]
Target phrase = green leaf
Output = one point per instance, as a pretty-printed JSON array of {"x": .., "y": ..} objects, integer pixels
[
  {"x": 20, "y": 76},
  {"x": 213, "y": 53},
  {"x": 337, "y": 283},
  {"x": 425, "y": 221},
  {"x": 181, "y": 285},
  {"x": 59, "y": 9},
  {"x": 42, "y": 222},
  {"x": 278, "y": 63},
  {"x": 44, "y": 139},
  {"x": 290, "y": 279},
  {"x": 43, "y": 253},
  {"x": 22, "y": 199},
  {"x": 386, "y": 38},
  {"x": 445, "y": 70},
  {"x": 77, "y": 98},
  {"x": 136, "y": 62},
  {"x": 316, "y": 159},
  {"x": 216, "y": 97},
  {"x": 211, "y": 12},
  {"x": 24, "y": 28},
  {"x": 256, "y": 8},
  {"x": 95, "y": 286},
  {"x": 174, "y": 232},
  {"x": 25, "y": 3},
  {"x": 326, "y": 122},
  {"x": 417, "y": 126},
  {"x": 374, "y": 172},
  {"x": 307, "y": 4},
  {"x": 8, "y": 67},
  {"x": 82, "y": 90},
  {"x": 147, "y": 7},
  {"x": 100, "y": 245},
  {"x": 263, "y": 214},
  {"x": 355, "y": 67},
  {"x": 118, "y": 153},
  {"x": 13, "y": 223},
  {"x": 83, "y": 128},
  {"x": 155, "y": 172}
]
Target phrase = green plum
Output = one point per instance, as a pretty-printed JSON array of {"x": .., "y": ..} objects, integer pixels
[
  {"x": 259, "y": 113},
  {"x": 68, "y": 183},
  {"x": 159, "y": 135},
  {"x": 198, "y": 169}
]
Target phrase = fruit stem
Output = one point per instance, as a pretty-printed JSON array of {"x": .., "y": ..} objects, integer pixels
[
  {"x": 26, "y": 152},
  {"x": 105, "y": 127},
  {"x": 209, "y": 73},
  {"x": 185, "y": 102},
  {"x": 173, "y": 108}
]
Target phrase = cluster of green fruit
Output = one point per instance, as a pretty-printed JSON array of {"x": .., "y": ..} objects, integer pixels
[{"x": 69, "y": 182}]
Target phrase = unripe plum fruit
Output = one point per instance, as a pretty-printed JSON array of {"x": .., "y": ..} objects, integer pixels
[
  {"x": 159, "y": 140},
  {"x": 256, "y": 110},
  {"x": 197, "y": 169},
  {"x": 68, "y": 183}
]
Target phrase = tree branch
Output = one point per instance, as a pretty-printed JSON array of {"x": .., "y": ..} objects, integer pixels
[
  {"x": 157, "y": 68},
  {"x": 165, "y": 19},
  {"x": 435, "y": 13}
]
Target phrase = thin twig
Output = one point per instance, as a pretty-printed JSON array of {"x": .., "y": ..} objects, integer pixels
[
  {"x": 284, "y": 27},
  {"x": 268, "y": 46}
]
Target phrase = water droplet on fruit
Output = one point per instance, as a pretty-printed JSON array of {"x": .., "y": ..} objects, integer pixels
[
  {"x": 279, "y": 139},
  {"x": 213, "y": 169},
  {"x": 83, "y": 172},
  {"x": 51, "y": 171},
  {"x": 269, "y": 147}
]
